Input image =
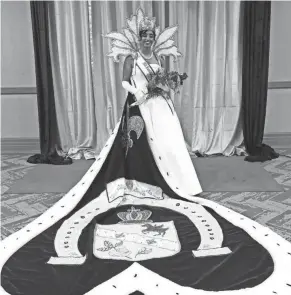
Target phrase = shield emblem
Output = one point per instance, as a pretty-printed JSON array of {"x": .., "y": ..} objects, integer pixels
[{"x": 136, "y": 241}]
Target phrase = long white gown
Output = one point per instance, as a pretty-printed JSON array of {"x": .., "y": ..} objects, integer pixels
[{"x": 166, "y": 140}]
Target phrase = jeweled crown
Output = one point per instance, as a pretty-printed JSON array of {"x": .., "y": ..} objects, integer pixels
[
  {"x": 147, "y": 23},
  {"x": 134, "y": 216}
]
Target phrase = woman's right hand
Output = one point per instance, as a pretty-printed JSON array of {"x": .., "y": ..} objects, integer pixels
[{"x": 140, "y": 96}]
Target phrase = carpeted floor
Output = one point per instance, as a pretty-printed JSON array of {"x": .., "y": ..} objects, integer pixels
[
  {"x": 216, "y": 174},
  {"x": 272, "y": 209}
]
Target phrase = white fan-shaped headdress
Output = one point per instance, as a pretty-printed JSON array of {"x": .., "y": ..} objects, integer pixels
[{"x": 126, "y": 43}]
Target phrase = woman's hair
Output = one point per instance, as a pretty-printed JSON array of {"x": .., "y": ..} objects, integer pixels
[{"x": 142, "y": 32}]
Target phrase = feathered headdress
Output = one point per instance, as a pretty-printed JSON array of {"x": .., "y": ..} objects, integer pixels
[{"x": 126, "y": 43}]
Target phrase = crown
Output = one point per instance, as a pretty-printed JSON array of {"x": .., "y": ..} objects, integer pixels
[
  {"x": 147, "y": 23},
  {"x": 134, "y": 216}
]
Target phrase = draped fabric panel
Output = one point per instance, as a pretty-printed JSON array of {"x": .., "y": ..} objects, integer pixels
[
  {"x": 88, "y": 84},
  {"x": 48, "y": 127},
  {"x": 209, "y": 105},
  {"x": 72, "y": 76},
  {"x": 256, "y": 48}
]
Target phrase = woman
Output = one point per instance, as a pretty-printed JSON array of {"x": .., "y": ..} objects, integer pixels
[
  {"x": 126, "y": 226},
  {"x": 163, "y": 129}
]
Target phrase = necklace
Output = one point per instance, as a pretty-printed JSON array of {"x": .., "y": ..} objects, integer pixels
[{"x": 147, "y": 57}]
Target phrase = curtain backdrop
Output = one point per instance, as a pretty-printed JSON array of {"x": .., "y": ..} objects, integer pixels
[
  {"x": 48, "y": 128},
  {"x": 256, "y": 38},
  {"x": 88, "y": 91},
  {"x": 209, "y": 106},
  {"x": 70, "y": 46}
]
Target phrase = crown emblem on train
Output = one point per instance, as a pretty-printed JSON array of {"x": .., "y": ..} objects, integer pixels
[{"x": 133, "y": 215}]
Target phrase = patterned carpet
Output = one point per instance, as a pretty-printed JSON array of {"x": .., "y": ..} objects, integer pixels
[{"x": 269, "y": 208}]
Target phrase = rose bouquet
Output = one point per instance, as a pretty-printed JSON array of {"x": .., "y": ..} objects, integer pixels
[{"x": 162, "y": 82}]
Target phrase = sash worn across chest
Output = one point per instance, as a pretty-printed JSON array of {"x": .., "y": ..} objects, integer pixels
[{"x": 144, "y": 67}]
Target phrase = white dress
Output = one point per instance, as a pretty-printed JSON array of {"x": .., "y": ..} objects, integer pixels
[{"x": 166, "y": 140}]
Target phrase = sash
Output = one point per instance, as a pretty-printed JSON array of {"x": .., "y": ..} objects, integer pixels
[{"x": 144, "y": 67}]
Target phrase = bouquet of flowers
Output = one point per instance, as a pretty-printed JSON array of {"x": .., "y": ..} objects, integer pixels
[{"x": 162, "y": 82}]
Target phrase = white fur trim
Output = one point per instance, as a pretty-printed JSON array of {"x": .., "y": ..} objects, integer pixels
[
  {"x": 67, "y": 260},
  {"x": 212, "y": 252}
]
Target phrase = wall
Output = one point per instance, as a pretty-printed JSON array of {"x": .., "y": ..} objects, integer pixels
[
  {"x": 19, "y": 117},
  {"x": 278, "y": 118}
]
